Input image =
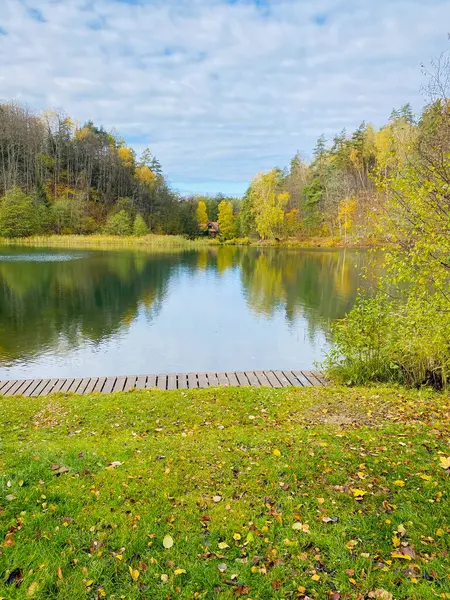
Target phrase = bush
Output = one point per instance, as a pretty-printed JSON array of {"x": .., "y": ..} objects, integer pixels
[
  {"x": 139, "y": 226},
  {"x": 388, "y": 340},
  {"x": 17, "y": 214},
  {"x": 118, "y": 224}
]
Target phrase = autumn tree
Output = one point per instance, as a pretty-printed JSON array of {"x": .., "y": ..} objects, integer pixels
[
  {"x": 268, "y": 203},
  {"x": 226, "y": 220},
  {"x": 202, "y": 214}
]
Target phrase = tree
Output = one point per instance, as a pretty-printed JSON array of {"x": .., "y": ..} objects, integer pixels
[
  {"x": 268, "y": 203},
  {"x": 226, "y": 220},
  {"x": 118, "y": 224},
  {"x": 17, "y": 215},
  {"x": 139, "y": 226},
  {"x": 202, "y": 214}
]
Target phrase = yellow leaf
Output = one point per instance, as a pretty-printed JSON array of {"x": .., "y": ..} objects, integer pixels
[
  {"x": 444, "y": 462},
  {"x": 32, "y": 589},
  {"x": 89, "y": 582},
  {"x": 179, "y": 571},
  {"x": 396, "y": 541},
  {"x": 276, "y": 452},
  {"x": 315, "y": 577},
  {"x": 168, "y": 542},
  {"x": 223, "y": 545},
  {"x": 59, "y": 573},
  {"x": 236, "y": 536},
  {"x": 426, "y": 477},
  {"x": 400, "y": 555},
  {"x": 440, "y": 532},
  {"x": 301, "y": 589},
  {"x": 134, "y": 573},
  {"x": 399, "y": 483},
  {"x": 359, "y": 493}
]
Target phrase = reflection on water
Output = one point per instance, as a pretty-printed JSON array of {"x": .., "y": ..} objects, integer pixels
[{"x": 220, "y": 308}]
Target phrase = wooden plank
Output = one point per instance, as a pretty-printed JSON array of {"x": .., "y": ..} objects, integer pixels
[
  {"x": 292, "y": 379},
  {"x": 12, "y": 389},
  {"x": 29, "y": 391},
  {"x": 130, "y": 383},
  {"x": 4, "y": 384},
  {"x": 312, "y": 378},
  {"x": 141, "y": 381},
  {"x": 151, "y": 382},
  {"x": 23, "y": 388},
  {"x": 202, "y": 380},
  {"x": 58, "y": 385},
  {"x": 252, "y": 378},
  {"x": 38, "y": 389},
  {"x": 162, "y": 382},
  {"x": 109, "y": 384},
  {"x": 282, "y": 378},
  {"x": 263, "y": 379},
  {"x": 100, "y": 384},
  {"x": 192, "y": 380},
  {"x": 182, "y": 381},
  {"x": 66, "y": 385},
  {"x": 75, "y": 385},
  {"x": 241, "y": 377},
  {"x": 303, "y": 380},
  {"x": 171, "y": 382},
  {"x": 272, "y": 378},
  {"x": 119, "y": 385},
  {"x": 90, "y": 385},
  {"x": 49, "y": 387},
  {"x": 232, "y": 379},
  {"x": 84, "y": 383},
  {"x": 9, "y": 385},
  {"x": 321, "y": 377},
  {"x": 223, "y": 379},
  {"x": 213, "y": 380}
]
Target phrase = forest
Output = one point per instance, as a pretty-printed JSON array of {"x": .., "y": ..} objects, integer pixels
[{"x": 59, "y": 177}]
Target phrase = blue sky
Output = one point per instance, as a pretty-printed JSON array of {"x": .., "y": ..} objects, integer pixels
[{"x": 220, "y": 89}]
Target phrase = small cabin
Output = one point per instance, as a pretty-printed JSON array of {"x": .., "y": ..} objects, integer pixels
[{"x": 213, "y": 228}]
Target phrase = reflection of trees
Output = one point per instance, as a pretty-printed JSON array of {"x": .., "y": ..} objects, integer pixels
[
  {"x": 44, "y": 303},
  {"x": 320, "y": 285},
  {"x": 50, "y": 305}
]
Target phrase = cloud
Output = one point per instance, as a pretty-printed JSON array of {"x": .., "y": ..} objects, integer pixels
[{"x": 220, "y": 90}]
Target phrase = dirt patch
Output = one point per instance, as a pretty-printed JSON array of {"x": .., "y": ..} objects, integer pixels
[{"x": 50, "y": 416}]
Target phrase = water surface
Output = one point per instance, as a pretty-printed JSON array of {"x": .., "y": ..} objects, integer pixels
[{"x": 87, "y": 313}]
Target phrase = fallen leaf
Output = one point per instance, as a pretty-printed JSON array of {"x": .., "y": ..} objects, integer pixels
[
  {"x": 444, "y": 462},
  {"x": 179, "y": 571},
  {"x": 217, "y": 498},
  {"x": 168, "y": 542},
  {"x": 358, "y": 493},
  {"x": 15, "y": 578},
  {"x": 134, "y": 573},
  {"x": 10, "y": 497},
  {"x": 59, "y": 573},
  {"x": 32, "y": 589},
  {"x": 399, "y": 483},
  {"x": 114, "y": 464},
  {"x": 223, "y": 545},
  {"x": 222, "y": 567},
  {"x": 276, "y": 452}
]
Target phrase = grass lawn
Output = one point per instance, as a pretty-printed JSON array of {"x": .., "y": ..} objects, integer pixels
[{"x": 228, "y": 493}]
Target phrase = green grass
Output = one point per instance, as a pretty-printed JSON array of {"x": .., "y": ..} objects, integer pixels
[
  {"x": 148, "y": 242},
  {"x": 311, "y": 487}
]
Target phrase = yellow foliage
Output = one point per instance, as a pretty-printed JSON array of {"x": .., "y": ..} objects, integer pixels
[
  {"x": 145, "y": 175},
  {"x": 126, "y": 156}
]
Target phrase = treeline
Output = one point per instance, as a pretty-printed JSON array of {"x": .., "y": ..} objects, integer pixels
[{"x": 60, "y": 177}]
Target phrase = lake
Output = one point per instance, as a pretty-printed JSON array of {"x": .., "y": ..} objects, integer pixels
[{"x": 86, "y": 312}]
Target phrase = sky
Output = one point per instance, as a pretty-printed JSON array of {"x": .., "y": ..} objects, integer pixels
[{"x": 220, "y": 89}]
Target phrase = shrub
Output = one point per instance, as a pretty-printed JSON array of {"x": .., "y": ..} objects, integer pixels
[
  {"x": 17, "y": 214},
  {"x": 139, "y": 226},
  {"x": 118, "y": 224}
]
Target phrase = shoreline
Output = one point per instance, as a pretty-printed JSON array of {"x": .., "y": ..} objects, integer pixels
[{"x": 176, "y": 242}]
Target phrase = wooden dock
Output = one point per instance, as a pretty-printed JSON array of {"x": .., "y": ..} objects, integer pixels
[{"x": 174, "y": 381}]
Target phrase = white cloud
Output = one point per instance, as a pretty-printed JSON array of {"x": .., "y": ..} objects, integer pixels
[{"x": 220, "y": 90}]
